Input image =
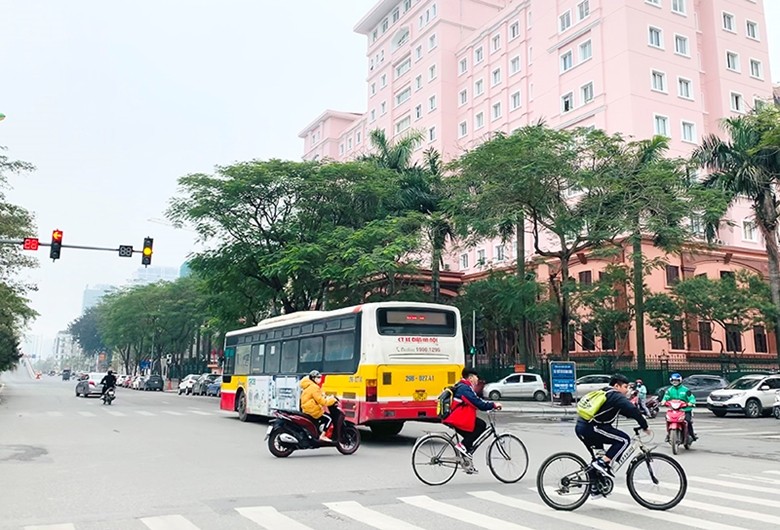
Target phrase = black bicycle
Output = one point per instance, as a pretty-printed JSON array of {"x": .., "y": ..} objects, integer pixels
[
  {"x": 655, "y": 480},
  {"x": 435, "y": 460}
]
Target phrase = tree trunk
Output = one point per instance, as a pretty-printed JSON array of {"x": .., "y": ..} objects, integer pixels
[
  {"x": 564, "y": 314},
  {"x": 523, "y": 331},
  {"x": 767, "y": 221},
  {"x": 639, "y": 298},
  {"x": 438, "y": 245}
]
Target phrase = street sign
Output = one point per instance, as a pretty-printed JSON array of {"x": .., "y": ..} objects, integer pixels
[
  {"x": 125, "y": 251},
  {"x": 30, "y": 243},
  {"x": 563, "y": 375}
]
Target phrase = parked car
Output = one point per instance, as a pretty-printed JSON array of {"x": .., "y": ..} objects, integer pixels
[
  {"x": 154, "y": 382},
  {"x": 200, "y": 384},
  {"x": 589, "y": 383},
  {"x": 517, "y": 385},
  {"x": 215, "y": 387},
  {"x": 751, "y": 395},
  {"x": 90, "y": 384},
  {"x": 185, "y": 385},
  {"x": 138, "y": 382},
  {"x": 701, "y": 385}
]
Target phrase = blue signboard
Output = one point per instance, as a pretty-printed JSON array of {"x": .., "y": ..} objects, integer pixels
[{"x": 562, "y": 376}]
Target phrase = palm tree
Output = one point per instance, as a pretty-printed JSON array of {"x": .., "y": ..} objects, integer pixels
[
  {"x": 396, "y": 156},
  {"x": 748, "y": 165}
]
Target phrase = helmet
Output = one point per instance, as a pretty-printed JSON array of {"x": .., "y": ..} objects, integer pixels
[
  {"x": 639, "y": 382},
  {"x": 314, "y": 374},
  {"x": 110, "y": 371},
  {"x": 675, "y": 377}
]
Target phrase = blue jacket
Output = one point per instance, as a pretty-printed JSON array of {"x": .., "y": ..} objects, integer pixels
[{"x": 618, "y": 404}]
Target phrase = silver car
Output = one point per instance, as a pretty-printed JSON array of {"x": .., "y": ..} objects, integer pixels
[
  {"x": 89, "y": 384},
  {"x": 517, "y": 386},
  {"x": 588, "y": 383}
]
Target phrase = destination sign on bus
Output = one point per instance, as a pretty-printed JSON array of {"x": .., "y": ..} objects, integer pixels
[{"x": 426, "y": 318}]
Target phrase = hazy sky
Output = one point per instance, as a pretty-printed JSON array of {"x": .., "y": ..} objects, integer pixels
[{"x": 113, "y": 101}]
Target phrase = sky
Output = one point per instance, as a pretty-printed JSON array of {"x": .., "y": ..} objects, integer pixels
[{"x": 114, "y": 101}]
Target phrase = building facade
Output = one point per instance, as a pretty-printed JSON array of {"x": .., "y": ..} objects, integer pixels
[{"x": 461, "y": 70}]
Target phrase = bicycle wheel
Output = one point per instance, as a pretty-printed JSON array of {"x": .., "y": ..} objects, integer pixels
[
  {"x": 656, "y": 481},
  {"x": 563, "y": 481},
  {"x": 507, "y": 458},
  {"x": 434, "y": 460}
]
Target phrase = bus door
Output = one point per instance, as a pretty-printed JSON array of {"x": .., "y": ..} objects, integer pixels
[
  {"x": 259, "y": 394},
  {"x": 287, "y": 393}
]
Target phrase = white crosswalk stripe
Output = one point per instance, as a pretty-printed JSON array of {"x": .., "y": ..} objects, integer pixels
[
  {"x": 51, "y": 527},
  {"x": 270, "y": 519},
  {"x": 733, "y": 485},
  {"x": 114, "y": 412},
  {"x": 460, "y": 514},
  {"x": 354, "y": 510},
  {"x": 168, "y": 522},
  {"x": 87, "y": 414},
  {"x": 145, "y": 413},
  {"x": 54, "y": 414}
]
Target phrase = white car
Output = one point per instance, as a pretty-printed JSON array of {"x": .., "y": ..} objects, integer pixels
[
  {"x": 186, "y": 384},
  {"x": 589, "y": 383},
  {"x": 89, "y": 384},
  {"x": 517, "y": 386},
  {"x": 138, "y": 382},
  {"x": 751, "y": 395}
]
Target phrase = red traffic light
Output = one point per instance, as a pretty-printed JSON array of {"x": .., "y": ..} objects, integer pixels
[
  {"x": 30, "y": 243},
  {"x": 56, "y": 236}
]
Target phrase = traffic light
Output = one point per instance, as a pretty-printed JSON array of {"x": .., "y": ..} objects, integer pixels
[
  {"x": 56, "y": 244},
  {"x": 146, "y": 254}
]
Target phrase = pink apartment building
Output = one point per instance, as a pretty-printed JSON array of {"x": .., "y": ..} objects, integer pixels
[{"x": 459, "y": 70}]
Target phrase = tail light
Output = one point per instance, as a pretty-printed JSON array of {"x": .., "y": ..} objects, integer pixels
[
  {"x": 371, "y": 390},
  {"x": 92, "y": 383},
  {"x": 544, "y": 385}
]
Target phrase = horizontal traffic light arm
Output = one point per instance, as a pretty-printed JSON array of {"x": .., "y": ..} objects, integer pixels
[{"x": 82, "y": 247}]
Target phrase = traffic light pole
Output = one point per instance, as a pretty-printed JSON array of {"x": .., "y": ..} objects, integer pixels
[{"x": 474, "y": 337}]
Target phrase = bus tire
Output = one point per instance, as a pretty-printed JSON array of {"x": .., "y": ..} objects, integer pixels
[
  {"x": 386, "y": 429},
  {"x": 241, "y": 406}
]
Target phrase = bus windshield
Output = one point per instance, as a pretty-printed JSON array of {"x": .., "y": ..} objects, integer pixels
[{"x": 427, "y": 322}]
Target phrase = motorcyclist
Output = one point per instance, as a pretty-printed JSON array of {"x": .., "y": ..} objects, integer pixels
[
  {"x": 641, "y": 390},
  {"x": 681, "y": 392},
  {"x": 313, "y": 402},
  {"x": 108, "y": 381}
]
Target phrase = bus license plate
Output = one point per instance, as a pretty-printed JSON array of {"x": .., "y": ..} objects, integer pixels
[{"x": 420, "y": 395}]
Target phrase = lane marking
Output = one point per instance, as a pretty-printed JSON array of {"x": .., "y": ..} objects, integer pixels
[
  {"x": 354, "y": 510},
  {"x": 87, "y": 414},
  {"x": 168, "y": 522},
  {"x": 270, "y": 519},
  {"x": 460, "y": 514},
  {"x": 114, "y": 412},
  {"x": 734, "y": 485},
  {"x": 172, "y": 413},
  {"x": 54, "y": 414},
  {"x": 145, "y": 413}
]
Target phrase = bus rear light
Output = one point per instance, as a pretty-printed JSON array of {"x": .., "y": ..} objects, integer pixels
[{"x": 371, "y": 390}]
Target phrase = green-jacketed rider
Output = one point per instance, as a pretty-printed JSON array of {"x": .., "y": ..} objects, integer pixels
[{"x": 681, "y": 392}]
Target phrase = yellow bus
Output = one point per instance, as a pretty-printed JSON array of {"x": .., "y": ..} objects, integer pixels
[{"x": 387, "y": 362}]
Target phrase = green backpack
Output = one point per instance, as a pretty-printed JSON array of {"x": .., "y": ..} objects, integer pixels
[{"x": 590, "y": 404}]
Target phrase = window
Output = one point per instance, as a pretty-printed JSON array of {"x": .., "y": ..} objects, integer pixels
[
  {"x": 583, "y": 9},
  {"x": 567, "y": 102},
  {"x": 748, "y": 230},
  {"x": 514, "y": 31},
  {"x": 404, "y": 67},
  {"x": 727, "y": 274},
  {"x": 383, "y": 81},
  {"x": 751, "y": 29},
  {"x": 464, "y": 96},
  {"x": 479, "y": 120},
  {"x": 759, "y": 337},
  {"x": 496, "y": 76},
  {"x": 396, "y": 14},
  {"x": 496, "y": 110},
  {"x": 418, "y": 82},
  {"x": 481, "y": 256},
  {"x": 464, "y": 261},
  {"x": 608, "y": 339},
  {"x": 530, "y": 54},
  {"x": 705, "y": 335},
  {"x": 463, "y": 66},
  {"x": 681, "y": 45},
  {"x": 373, "y": 88},
  {"x": 432, "y": 103},
  {"x": 418, "y": 53},
  {"x": 678, "y": 6},
  {"x": 565, "y": 21},
  {"x": 349, "y": 143},
  {"x": 289, "y": 357},
  {"x": 358, "y": 138},
  {"x": 514, "y": 101},
  {"x": 586, "y": 93},
  {"x": 654, "y": 2},
  {"x": 272, "y": 358},
  {"x": 373, "y": 115},
  {"x": 677, "y": 338},
  {"x": 403, "y": 95},
  {"x": 689, "y": 132},
  {"x": 418, "y": 112},
  {"x": 514, "y": 65},
  {"x": 495, "y": 43},
  {"x": 732, "y": 61},
  {"x": 498, "y": 253},
  {"x": 403, "y": 124},
  {"x": 733, "y": 338},
  {"x": 383, "y": 107},
  {"x": 588, "y": 336},
  {"x": 385, "y": 25},
  {"x": 432, "y": 42},
  {"x": 658, "y": 81},
  {"x": 478, "y": 55},
  {"x": 728, "y": 21},
  {"x": 432, "y": 72},
  {"x": 756, "y": 70},
  {"x": 463, "y": 129},
  {"x": 479, "y": 87},
  {"x": 566, "y": 61},
  {"x": 256, "y": 362},
  {"x": 661, "y": 125},
  {"x": 684, "y": 88},
  {"x": 586, "y": 51},
  {"x": 432, "y": 134},
  {"x": 672, "y": 274},
  {"x": 655, "y": 37},
  {"x": 586, "y": 278},
  {"x": 737, "y": 102},
  {"x": 339, "y": 353}
]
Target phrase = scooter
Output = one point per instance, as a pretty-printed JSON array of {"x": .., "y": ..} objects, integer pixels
[
  {"x": 293, "y": 430},
  {"x": 109, "y": 396},
  {"x": 676, "y": 426}
]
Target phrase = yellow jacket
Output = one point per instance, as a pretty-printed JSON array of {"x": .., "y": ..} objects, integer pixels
[{"x": 312, "y": 398}]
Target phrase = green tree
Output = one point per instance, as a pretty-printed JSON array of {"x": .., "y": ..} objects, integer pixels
[
  {"x": 85, "y": 329},
  {"x": 747, "y": 165}
]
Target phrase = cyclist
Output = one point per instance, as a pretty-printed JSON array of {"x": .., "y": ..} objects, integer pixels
[
  {"x": 463, "y": 417},
  {"x": 681, "y": 392},
  {"x": 599, "y": 430}
]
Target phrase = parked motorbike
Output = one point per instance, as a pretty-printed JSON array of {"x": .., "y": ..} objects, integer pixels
[
  {"x": 676, "y": 426},
  {"x": 293, "y": 430},
  {"x": 109, "y": 396}
]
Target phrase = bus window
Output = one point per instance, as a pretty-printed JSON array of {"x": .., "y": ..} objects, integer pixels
[
  {"x": 348, "y": 323},
  {"x": 289, "y": 357},
  {"x": 311, "y": 350},
  {"x": 277, "y": 333},
  {"x": 287, "y": 332},
  {"x": 230, "y": 361},
  {"x": 258, "y": 354},
  {"x": 427, "y": 322},
  {"x": 340, "y": 353},
  {"x": 243, "y": 356},
  {"x": 319, "y": 327},
  {"x": 307, "y": 329},
  {"x": 272, "y": 358},
  {"x": 331, "y": 325}
]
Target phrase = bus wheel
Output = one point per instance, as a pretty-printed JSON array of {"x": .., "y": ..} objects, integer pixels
[
  {"x": 242, "y": 414},
  {"x": 386, "y": 429}
]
